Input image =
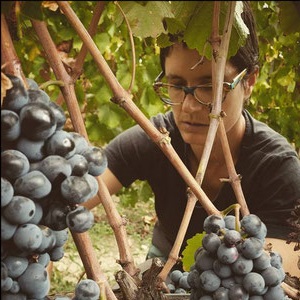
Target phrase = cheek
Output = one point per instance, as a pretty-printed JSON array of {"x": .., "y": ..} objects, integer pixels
[{"x": 232, "y": 106}]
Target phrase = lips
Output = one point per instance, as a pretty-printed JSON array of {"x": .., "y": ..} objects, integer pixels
[{"x": 193, "y": 126}]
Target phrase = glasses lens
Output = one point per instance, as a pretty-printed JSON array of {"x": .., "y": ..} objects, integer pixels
[
  {"x": 170, "y": 94},
  {"x": 203, "y": 94}
]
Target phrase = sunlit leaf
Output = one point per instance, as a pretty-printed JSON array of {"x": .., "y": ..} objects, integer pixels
[{"x": 188, "y": 253}]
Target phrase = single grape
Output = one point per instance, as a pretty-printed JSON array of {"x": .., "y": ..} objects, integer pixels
[
  {"x": 237, "y": 292},
  {"x": 253, "y": 283},
  {"x": 34, "y": 282},
  {"x": 251, "y": 247},
  {"x": 79, "y": 165},
  {"x": 227, "y": 255},
  {"x": 10, "y": 125},
  {"x": 87, "y": 289},
  {"x": 34, "y": 185},
  {"x": 37, "y": 116},
  {"x": 16, "y": 265},
  {"x": 97, "y": 160},
  {"x": 276, "y": 259},
  {"x": 34, "y": 150},
  {"x": 183, "y": 283},
  {"x": 209, "y": 281},
  {"x": 17, "y": 96},
  {"x": 213, "y": 223},
  {"x": 7, "y": 229},
  {"x": 222, "y": 270},
  {"x": 262, "y": 262},
  {"x": 60, "y": 143},
  {"x": 38, "y": 95},
  {"x": 7, "y": 192},
  {"x": 221, "y": 293},
  {"x": 28, "y": 237},
  {"x": 211, "y": 242},
  {"x": 274, "y": 293},
  {"x": 232, "y": 238},
  {"x": 80, "y": 219},
  {"x": 242, "y": 265},
  {"x": 204, "y": 261},
  {"x": 81, "y": 143},
  {"x": 13, "y": 164},
  {"x": 230, "y": 222},
  {"x": 272, "y": 276},
  {"x": 251, "y": 224},
  {"x": 20, "y": 210}
]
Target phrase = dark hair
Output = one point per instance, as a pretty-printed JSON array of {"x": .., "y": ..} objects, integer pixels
[{"x": 246, "y": 57}]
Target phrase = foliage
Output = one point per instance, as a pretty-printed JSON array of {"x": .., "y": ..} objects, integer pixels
[{"x": 275, "y": 99}]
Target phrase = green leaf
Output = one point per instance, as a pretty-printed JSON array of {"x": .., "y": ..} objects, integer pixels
[
  {"x": 188, "y": 253},
  {"x": 146, "y": 20},
  {"x": 289, "y": 16}
]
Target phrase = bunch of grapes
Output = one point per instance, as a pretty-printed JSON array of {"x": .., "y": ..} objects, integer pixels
[
  {"x": 232, "y": 263},
  {"x": 46, "y": 173},
  {"x": 178, "y": 282}
]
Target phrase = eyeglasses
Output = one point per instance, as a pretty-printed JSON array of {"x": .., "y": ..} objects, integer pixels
[{"x": 173, "y": 94}]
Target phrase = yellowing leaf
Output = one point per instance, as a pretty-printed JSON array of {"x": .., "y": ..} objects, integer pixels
[
  {"x": 5, "y": 85},
  {"x": 188, "y": 253}
]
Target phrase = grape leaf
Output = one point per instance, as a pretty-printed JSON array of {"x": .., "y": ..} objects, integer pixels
[
  {"x": 188, "y": 253},
  {"x": 146, "y": 20}
]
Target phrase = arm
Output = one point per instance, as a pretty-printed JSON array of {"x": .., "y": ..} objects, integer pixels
[{"x": 113, "y": 185}]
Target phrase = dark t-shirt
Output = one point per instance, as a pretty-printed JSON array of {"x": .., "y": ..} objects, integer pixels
[{"x": 269, "y": 167}]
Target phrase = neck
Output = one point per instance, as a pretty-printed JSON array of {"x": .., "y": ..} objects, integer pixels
[{"x": 234, "y": 137}]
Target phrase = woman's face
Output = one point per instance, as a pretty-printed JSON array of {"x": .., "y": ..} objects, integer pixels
[{"x": 192, "y": 117}]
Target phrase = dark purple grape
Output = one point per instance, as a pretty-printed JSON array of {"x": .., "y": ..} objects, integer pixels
[
  {"x": 57, "y": 253},
  {"x": 7, "y": 192},
  {"x": 242, "y": 265},
  {"x": 211, "y": 242},
  {"x": 232, "y": 238},
  {"x": 221, "y": 293},
  {"x": 87, "y": 289},
  {"x": 59, "y": 115},
  {"x": 222, "y": 270},
  {"x": 79, "y": 165},
  {"x": 28, "y": 237},
  {"x": 227, "y": 255},
  {"x": 175, "y": 276},
  {"x": 274, "y": 293},
  {"x": 209, "y": 281},
  {"x": 16, "y": 265},
  {"x": 10, "y": 125},
  {"x": 78, "y": 189},
  {"x": 262, "y": 262},
  {"x": 17, "y": 96},
  {"x": 276, "y": 259},
  {"x": 48, "y": 240},
  {"x": 34, "y": 150},
  {"x": 20, "y": 210},
  {"x": 37, "y": 121},
  {"x": 251, "y": 224},
  {"x": 81, "y": 143},
  {"x": 80, "y": 219},
  {"x": 60, "y": 143},
  {"x": 38, "y": 95},
  {"x": 254, "y": 283},
  {"x": 204, "y": 261},
  {"x": 97, "y": 160},
  {"x": 272, "y": 276},
  {"x": 53, "y": 166},
  {"x": 34, "y": 185},
  {"x": 251, "y": 247},
  {"x": 13, "y": 164},
  {"x": 237, "y": 292},
  {"x": 55, "y": 216},
  {"x": 34, "y": 282},
  {"x": 7, "y": 229},
  {"x": 213, "y": 223},
  {"x": 183, "y": 283},
  {"x": 32, "y": 84}
]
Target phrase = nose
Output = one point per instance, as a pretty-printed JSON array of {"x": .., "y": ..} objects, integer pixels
[{"x": 190, "y": 104}]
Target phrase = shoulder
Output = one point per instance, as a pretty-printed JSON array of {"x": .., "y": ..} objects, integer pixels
[{"x": 262, "y": 140}]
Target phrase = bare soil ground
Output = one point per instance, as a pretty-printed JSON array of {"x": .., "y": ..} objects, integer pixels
[{"x": 140, "y": 220}]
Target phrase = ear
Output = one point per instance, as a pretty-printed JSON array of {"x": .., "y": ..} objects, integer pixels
[{"x": 250, "y": 82}]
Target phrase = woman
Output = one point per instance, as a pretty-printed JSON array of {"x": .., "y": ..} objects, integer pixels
[{"x": 269, "y": 166}]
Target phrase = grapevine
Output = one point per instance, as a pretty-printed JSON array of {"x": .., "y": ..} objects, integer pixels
[{"x": 48, "y": 173}]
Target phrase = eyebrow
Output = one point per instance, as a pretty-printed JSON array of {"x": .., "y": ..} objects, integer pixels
[{"x": 206, "y": 78}]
